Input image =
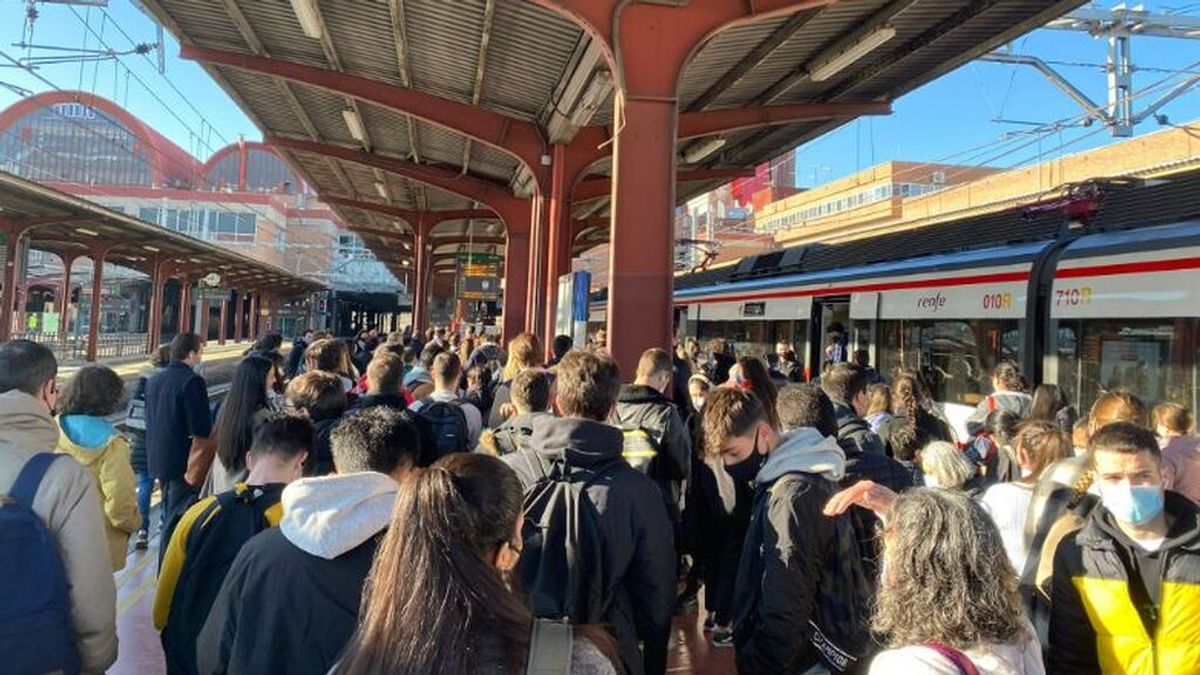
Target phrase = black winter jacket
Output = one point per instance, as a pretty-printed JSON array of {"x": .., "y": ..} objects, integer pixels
[
  {"x": 321, "y": 463},
  {"x": 639, "y": 551},
  {"x": 515, "y": 431},
  {"x": 644, "y": 407},
  {"x": 282, "y": 610},
  {"x": 787, "y": 546},
  {"x": 854, "y": 432},
  {"x": 1143, "y": 627}
]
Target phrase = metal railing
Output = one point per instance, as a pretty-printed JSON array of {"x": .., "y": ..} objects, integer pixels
[{"x": 72, "y": 348}]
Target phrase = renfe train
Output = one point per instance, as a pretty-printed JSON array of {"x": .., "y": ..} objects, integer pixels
[{"x": 1092, "y": 298}]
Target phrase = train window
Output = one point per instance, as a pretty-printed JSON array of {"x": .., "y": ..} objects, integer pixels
[
  {"x": 1155, "y": 359},
  {"x": 753, "y": 338},
  {"x": 955, "y": 357}
]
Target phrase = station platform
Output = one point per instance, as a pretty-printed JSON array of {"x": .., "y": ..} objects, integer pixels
[
  {"x": 141, "y": 652},
  {"x": 129, "y": 366}
]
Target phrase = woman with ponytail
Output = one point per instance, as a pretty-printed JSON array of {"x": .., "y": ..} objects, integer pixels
[
  {"x": 912, "y": 426},
  {"x": 1010, "y": 391},
  {"x": 438, "y": 598}
]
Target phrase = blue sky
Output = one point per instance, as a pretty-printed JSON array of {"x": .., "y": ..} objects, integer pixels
[{"x": 951, "y": 118}]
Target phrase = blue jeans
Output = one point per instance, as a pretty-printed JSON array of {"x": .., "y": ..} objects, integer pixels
[{"x": 145, "y": 485}]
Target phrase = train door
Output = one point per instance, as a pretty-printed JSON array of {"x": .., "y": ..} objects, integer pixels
[{"x": 831, "y": 339}]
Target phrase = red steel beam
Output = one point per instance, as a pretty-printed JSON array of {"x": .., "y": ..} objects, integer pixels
[
  {"x": 595, "y": 188},
  {"x": 495, "y": 196},
  {"x": 517, "y": 138},
  {"x": 408, "y": 215},
  {"x": 712, "y": 122}
]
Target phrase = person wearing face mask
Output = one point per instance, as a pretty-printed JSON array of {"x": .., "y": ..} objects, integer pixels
[
  {"x": 67, "y": 503},
  {"x": 446, "y": 563},
  {"x": 1125, "y": 586},
  {"x": 212, "y": 531},
  {"x": 786, "y": 545}
]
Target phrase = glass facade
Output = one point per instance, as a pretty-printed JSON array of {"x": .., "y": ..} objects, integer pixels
[
  {"x": 265, "y": 172},
  {"x": 75, "y": 143},
  {"x": 206, "y": 224},
  {"x": 956, "y": 357}
]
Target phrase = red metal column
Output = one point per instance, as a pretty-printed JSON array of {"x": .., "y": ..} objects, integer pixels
[
  {"x": 93, "y": 340},
  {"x": 224, "y": 320},
  {"x": 642, "y": 249},
  {"x": 516, "y": 290},
  {"x": 237, "y": 316},
  {"x": 565, "y": 169},
  {"x": 203, "y": 327},
  {"x": 185, "y": 305},
  {"x": 64, "y": 297},
  {"x": 158, "y": 283},
  {"x": 7, "y": 294},
  {"x": 252, "y": 328},
  {"x": 421, "y": 287},
  {"x": 536, "y": 272}
]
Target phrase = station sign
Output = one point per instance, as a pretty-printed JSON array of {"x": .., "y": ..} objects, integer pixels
[
  {"x": 213, "y": 294},
  {"x": 995, "y": 300},
  {"x": 769, "y": 309},
  {"x": 479, "y": 276}
]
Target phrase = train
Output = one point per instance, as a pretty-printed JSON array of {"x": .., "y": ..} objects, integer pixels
[{"x": 1095, "y": 290}]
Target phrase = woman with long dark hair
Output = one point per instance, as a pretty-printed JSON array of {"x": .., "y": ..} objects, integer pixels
[
  {"x": 1050, "y": 404},
  {"x": 246, "y": 406},
  {"x": 912, "y": 426},
  {"x": 437, "y": 599}
]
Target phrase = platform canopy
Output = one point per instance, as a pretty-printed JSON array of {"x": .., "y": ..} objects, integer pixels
[{"x": 70, "y": 226}]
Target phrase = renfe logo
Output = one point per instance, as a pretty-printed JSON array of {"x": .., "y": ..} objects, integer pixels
[{"x": 931, "y": 302}]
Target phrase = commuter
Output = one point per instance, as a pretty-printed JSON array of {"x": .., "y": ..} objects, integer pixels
[
  {"x": 479, "y": 389},
  {"x": 789, "y": 366},
  {"x": 214, "y": 529},
  {"x": 419, "y": 381},
  {"x": 559, "y": 348},
  {"x": 91, "y": 395},
  {"x": 656, "y": 440},
  {"x": 245, "y": 408},
  {"x": 62, "y": 496},
  {"x": 319, "y": 397},
  {"x": 947, "y": 602},
  {"x": 719, "y": 362},
  {"x": 750, "y": 374},
  {"x": 1180, "y": 449},
  {"x": 698, "y": 390},
  {"x": 1009, "y": 392},
  {"x": 1037, "y": 444},
  {"x": 330, "y": 356},
  {"x": 268, "y": 345},
  {"x": 578, "y": 457},
  {"x": 1050, "y": 403},
  {"x": 846, "y": 386},
  {"x": 1125, "y": 585},
  {"x": 862, "y": 359},
  {"x": 600, "y": 339},
  {"x": 944, "y": 466},
  {"x": 681, "y": 372},
  {"x": 178, "y": 426},
  {"x": 524, "y": 351},
  {"x": 531, "y": 399},
  {"x": 786, "y": 544},
  {"x": 836, "y": 343},
  {"x": 488, "y": 354},
  {"x": 290, "y": 599},
  {"x": 295, "y": 358},
  {"x": 135, "y": 426},
  {"x": 879, "y": 406},
  {"x": 912, "y": 426},
  {"x": 456, "y": 424},
  {"x": 384, "y": 384},
  {"x": 443, "y": 564}
]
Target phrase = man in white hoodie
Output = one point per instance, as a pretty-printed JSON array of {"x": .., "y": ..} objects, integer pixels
[
  {"x": 290, "y": 601},
  {"x": 68, "y": 504},
  {"x": 788, "y": 542}
]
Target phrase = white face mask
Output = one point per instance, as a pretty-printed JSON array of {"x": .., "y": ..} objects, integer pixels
[
  {"x": 698, "y": 402},
  {"x": 931, "y": 481}
]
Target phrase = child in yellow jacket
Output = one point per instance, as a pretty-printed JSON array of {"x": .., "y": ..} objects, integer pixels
[{"x": 94, "y": 393}]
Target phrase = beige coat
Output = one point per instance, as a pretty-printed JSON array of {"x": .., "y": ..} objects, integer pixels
[{"x": 68, "y": 503}]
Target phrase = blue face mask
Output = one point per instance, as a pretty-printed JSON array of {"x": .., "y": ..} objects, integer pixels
[{"x": 1132, "y": 504}]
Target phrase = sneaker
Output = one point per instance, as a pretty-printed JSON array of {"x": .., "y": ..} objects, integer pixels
[
  {"x": 723, "y": 638},
  {"x": 143, "y": 540},
  {"x": 710, "y": 623}
]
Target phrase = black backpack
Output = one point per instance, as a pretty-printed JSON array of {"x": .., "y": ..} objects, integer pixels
[
  {"x": 36, "y": 634},
  {"x": 449, "y": 425},
  {"x": 218, "y": 533},
  {"x": 841, "y": 623},
  {"x": 561, "y": 563}
]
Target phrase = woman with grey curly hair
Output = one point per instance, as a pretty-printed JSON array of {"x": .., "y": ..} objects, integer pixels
[{"x": 947, "y": 602}]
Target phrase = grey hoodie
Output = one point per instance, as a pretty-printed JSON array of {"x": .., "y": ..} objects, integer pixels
[
  {"x": 327, "y": 516},
  {"x": 804, "y": 449}
]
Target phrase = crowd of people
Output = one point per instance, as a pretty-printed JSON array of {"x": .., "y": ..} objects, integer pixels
[{"x": 438, "y": 502}]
